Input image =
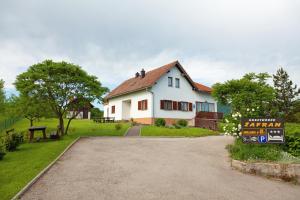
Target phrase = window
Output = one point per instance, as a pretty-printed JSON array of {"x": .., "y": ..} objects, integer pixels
[
  {"x": 177, "y": 83},
  {"x": 174, "y": 105},
  {"x": 166, "y": 105},
  {"x": 170, "y": 81},
  {"x": 205, "y": 107},
  {"x": 184, "y": 106},
  {"x": 113, "y": 109},
  {"x": 143, "y": 105}
]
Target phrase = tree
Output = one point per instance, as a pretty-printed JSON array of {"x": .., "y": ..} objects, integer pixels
[
  {"x": 74, "y": 108},
  {"x": 286, "y": 92},
  {"x": 32, "y": 109},
  {"x": 56, "y": 83},
  {"x": 96, "y": 113},
  {"x": 248, "y": 93},
  {"x": 294, "y": 115},
  {"x": 2, "y": 96}
]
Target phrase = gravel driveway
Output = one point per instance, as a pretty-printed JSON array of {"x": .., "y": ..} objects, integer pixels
[{"x": 153, "y": 168}]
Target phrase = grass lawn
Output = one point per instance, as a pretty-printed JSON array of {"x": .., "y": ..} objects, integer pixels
[
  {"x": 173, "y": 132},
  {"x": 19, "y": 167}
]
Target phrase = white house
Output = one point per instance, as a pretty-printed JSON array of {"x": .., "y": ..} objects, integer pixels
[{"x": 166, "y": 92}]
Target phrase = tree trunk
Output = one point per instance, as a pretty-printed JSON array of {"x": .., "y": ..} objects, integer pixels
[
  {"x": 68, "y": 125},
  {"x": 31, "y": 122},
  {"x": 61, "y": 125}
]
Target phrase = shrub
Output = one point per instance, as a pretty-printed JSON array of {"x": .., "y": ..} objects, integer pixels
[
  {"x": 12, "y": 141},
  {"x": 176, "y": 126},
  {"x": 292, "y": 145},
  {"x": 2, "y": 150},
  {"x": 160, "y": 122},
  {"x": 263, "y": 152},
  {"x": 182, "y": 122},
  {"x": 118, "y": 126}
]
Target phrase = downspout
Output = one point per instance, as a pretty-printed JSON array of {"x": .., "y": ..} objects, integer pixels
[{"x": 152, "y": 105}]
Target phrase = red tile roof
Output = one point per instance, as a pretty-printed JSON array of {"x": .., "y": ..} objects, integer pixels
[
  {"x": 139, "y": 83},
  {"x": 203, "y": 88}
]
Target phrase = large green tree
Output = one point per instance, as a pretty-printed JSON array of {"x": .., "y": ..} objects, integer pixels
[
  {"x": 57, "y": 83},
  {"x": 286, "y": 92},
  {"x": 248, "y": 93}
]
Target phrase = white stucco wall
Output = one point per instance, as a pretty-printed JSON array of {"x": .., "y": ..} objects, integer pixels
[
  {"x": 184, "y": 93},
  {"x": 134, "y": 112}
]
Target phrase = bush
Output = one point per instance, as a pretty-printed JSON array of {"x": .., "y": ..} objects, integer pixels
[
  {"x": 12, "y": 141},
  {"x": 118, "y": 126},
  {"x": 182, "y": 122},
  {"x": 263, "y": 152},
  {"x": 292, "y": 145},
  {"x": 2, "y": 150},
  {"x": 176, "y": 126},
  {"x": 160, "y": 122}
]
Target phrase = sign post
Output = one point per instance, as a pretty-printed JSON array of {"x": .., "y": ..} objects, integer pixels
[{"x": 262, "y": 130}]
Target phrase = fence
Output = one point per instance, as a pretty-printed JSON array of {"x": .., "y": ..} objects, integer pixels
[{"x": 6, "y": 123}]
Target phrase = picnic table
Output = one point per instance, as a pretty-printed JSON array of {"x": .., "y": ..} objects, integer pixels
[
  {"x": 37, "y": 128},
  {"x": 104, "y": 120}
]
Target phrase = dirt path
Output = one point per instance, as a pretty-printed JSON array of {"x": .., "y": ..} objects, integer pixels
[{"x": 154, "y": 168}]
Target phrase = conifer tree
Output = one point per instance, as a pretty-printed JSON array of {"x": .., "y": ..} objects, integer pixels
[{"x": 286, "y": 92}]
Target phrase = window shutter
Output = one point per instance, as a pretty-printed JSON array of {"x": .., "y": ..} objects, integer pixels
[
  {"x": 190, "y": 107},
  {"x": 179, "y": 105},
  {"x": 113, "y": 109},
  {"x": 146, "y": 104},
  {"x": 139, "y": 105},
  {"x": 175, "y": 105},
  {"x": 162, "y": 103}
]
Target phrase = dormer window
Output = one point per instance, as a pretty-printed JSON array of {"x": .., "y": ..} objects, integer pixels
[{"x": 170, "y": 81}]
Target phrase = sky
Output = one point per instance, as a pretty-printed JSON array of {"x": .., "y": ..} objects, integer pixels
[{"x": 214, "y": 40}]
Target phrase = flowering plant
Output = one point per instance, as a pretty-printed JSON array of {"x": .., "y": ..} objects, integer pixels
[{"x": 233, "y": 122}]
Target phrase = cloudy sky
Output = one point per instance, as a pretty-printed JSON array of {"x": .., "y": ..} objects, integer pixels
[{"x": 215, "y": 40}]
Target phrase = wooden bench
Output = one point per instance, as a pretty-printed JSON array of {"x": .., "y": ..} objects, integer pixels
[
  {"x": 104, "y": 120},
  {"x": 37, "y": 128}
]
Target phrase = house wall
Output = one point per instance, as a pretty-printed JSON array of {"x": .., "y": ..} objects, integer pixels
[
  {"x": 134, "y": 112},
  {"x": 161, "y": 91},
  {"x": 79, "y": 116},
  {"x": 184, "y": 93}
]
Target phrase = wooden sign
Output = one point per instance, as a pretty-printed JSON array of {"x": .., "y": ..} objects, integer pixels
[{"x": 262, "y": 130}]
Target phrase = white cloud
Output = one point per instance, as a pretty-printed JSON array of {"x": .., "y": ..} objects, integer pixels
[{"x": 214, "y": 40}]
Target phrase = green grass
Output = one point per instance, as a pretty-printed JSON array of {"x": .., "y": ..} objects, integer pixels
[
  {"x": 19, "y": 167},
  {"x": 173, "y": 132},
  {"x": 260, "y": 153},
  {"x": 254, "y": 152},
  {"x": 292, "y": 128}
]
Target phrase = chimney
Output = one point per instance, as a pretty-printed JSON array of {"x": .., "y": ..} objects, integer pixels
[
  {"x": 143, "y": 73},
  {"x": 137, "y": 75}
]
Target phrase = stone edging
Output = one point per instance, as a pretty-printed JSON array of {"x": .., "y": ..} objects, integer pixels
[
  {"x": 37, "y": 177},
  {"x": 286, "y": 172}
]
